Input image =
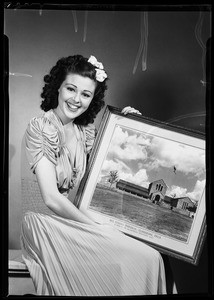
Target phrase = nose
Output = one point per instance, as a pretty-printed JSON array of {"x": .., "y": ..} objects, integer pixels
[{"x": 77, "y": 97}]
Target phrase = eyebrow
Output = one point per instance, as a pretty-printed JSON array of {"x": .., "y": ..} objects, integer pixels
[{"x": 76, "y": 87}]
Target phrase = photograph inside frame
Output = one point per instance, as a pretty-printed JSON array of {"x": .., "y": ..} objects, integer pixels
[{"x": 148, "y": 180}]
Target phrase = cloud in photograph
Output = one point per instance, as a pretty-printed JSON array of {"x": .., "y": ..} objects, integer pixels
[
  {"x": 125, "y": 172},
  {"x": 198, "y": 190},
  {"x": 177, "y": 191},
  {"x": 140, "y": 178},
  {"x": 127, "y": 146},
  {"x": 195, "y": 195},
  {"x": 165, "y": 153},
  {"x": 156, "y": 152},
  {"x": 112, "y": 165}
]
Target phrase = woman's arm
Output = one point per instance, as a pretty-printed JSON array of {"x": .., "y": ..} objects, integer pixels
[{"x": 59, "y": 204}]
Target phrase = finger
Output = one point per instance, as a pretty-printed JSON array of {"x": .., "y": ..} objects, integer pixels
[
  {"x": 137, "y": 112},
  {"x": 126, "y": 109},
  {"x": 133, "y": 110},
  {"x": 130, "y": 109}
]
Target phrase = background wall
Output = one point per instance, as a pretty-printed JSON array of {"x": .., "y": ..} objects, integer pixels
[{"x": 170, "y": 89}]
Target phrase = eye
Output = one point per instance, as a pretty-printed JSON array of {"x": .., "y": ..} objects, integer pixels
[
  {"x": 86, "y": 95},
  {"x": 69, "y": 88}
]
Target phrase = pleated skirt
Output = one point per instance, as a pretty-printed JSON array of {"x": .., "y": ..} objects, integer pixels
[{"x": 68, "y": 258}]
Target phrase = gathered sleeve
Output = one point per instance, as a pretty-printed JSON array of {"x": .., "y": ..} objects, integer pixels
[
  {"x": 41, "y": 139},
  {"x": 90, "y": 134}
]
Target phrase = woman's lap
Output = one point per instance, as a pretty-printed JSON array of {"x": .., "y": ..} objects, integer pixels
[{"x": 80, "y": 259}]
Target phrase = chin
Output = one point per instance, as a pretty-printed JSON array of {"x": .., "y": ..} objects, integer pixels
[{"x": 74, "y": 115}]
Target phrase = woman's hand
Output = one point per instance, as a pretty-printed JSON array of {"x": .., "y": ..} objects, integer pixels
[{"x": 129, "y": 110}]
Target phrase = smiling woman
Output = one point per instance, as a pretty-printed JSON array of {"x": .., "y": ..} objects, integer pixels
[{"x": 64, "y": 249}]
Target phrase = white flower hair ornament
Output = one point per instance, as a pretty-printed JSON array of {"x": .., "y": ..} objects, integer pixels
[{"x": 100, "y": 73}]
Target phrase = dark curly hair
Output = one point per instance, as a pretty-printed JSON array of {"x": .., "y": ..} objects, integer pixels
[{"x": 76, "y": 64}]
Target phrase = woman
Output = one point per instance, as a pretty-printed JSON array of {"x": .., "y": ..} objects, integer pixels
[{"x": 66, "y": 252}]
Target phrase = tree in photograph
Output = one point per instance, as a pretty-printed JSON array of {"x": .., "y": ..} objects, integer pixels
[{"x": 113, "y": 177}]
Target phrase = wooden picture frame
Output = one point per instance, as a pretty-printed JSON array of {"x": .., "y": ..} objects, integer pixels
[{"x": 147, "y": 179}]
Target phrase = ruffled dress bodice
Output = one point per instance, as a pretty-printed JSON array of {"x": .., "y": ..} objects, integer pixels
[{"x": 45, "y": 136}]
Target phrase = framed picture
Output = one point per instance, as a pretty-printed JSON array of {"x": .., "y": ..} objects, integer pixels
[{"x": 147, "y": 179}]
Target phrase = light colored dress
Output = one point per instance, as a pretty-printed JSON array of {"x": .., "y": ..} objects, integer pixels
[{"x": 69, "y": 258}]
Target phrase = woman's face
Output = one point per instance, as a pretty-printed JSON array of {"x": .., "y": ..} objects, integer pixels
[{"x": 75, "y": 95}]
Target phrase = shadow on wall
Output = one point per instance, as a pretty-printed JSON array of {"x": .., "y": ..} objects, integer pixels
[
  {"x": 14, "y": 206},
  {"x": 154, "y": 96},
  {"x": 12, "y": 152},
  {"x": 161, "y": 95}
]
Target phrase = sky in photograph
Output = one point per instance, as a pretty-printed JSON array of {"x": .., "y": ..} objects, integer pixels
[{"x": 142, "y": 158}]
